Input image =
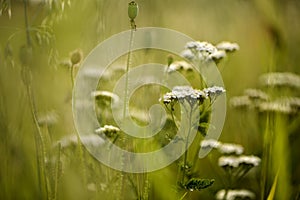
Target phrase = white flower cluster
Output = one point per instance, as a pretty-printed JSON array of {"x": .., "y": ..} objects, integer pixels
[
  {"x": 280, "y": 79},
  {"x": 236, "y": 161},
  {"x": 105, "y": 96},
  {"x": 224, "y": 148},
  {"x": 229, "y": 148},
  {"x": 279, "y": 107},
  {"x": 49, "y": 118},
  {"x": 256, "y": 94},
  {"x": 210, "y": 143},
  {"x": 234, "y": 194},
  {"x": 179, "y": 66},
  {"x": 107, "y": 130},
  {"x": 180, "y": 93},
  {"x": 90, "y": 140},
  {"x": 196, "y": 50},
  {"x": 228, "y": 46},
  {"x": 214, "y": 91},
  {"x": 240, "y": 102}
]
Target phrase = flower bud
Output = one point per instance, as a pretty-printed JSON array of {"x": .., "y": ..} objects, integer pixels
[
  {"x": 76, "y": 56},
  {"x": 133, "y": 10}
]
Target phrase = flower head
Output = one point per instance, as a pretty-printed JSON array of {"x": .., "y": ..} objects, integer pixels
[
  {"x": 228, "y": 148},
  {"x": 234, "y": 194},
  {"x": 240, "y": 102},
  {"x": 280, "y": 79},
  {"x": 217, "y": 55},
  {"x": 105, "y": 96},
  {"x": 181, "y": 93},
  {"x": 276, "y": 107},
  {"x": 180, "y": 66},
  {"x": 237, "y": 161},
  {"x": 214, "y": 91},
  {"x": 228, "y": 46},
  {"x": 196, "y": 50},
  {"x": 210, "y": 143},
  {"x": 256, "y": 94},
  {"x": 108, "y": 130}
]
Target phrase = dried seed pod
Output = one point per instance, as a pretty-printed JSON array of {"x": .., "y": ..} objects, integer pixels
[
  {"x": 76, "y": 56},
  {"x": 133, "y": 10}
]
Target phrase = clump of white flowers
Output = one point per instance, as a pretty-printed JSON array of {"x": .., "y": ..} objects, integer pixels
[
  {"x": 105, "y": 98},
  {"x": 205, "y": 51},
  {"x": 228, "y": 46},
  {"x": 89, "y": 140},
  {"x": 224, "y": 148},
  {"x": 228, "y": 148},
  {"x": 236, "y": 161},
  {"x": 107, "y": 130},
  {"x": 280, "y": 79},
  {"x": 234, "y": 194},
  {"x": 179, "y": 66}
]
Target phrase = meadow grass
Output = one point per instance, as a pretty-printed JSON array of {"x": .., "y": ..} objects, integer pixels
[{"x": 41, "y": 47}]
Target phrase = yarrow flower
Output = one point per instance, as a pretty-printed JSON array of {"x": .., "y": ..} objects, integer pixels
[
  {"x": 48, "y": 118},
  {"x": 179, "y": 66},
  {"x": 214, "y": 91},
  {"x": 228, "y": 148},
  {"x": 181, "y": 93},
  {"x": 256, "y": 94},
  {"x": 217, "y": 55},
  {"x": 210, "y": 143},
  {"x": 236, "y": 161},
  {"x": 294, "y": 102},
  {"x": 107, "y": 130},
  {"x": 206, "y": 51},
  {"x": 90, "y": 140},
  {"x": 276, "y": 107},
  {"x": 234, "y": 194},
  {"x": 105, "y": 96},
  {"x": 198, "y": 50},
  {"x": 280, "y": 79},
  {"x": 240, "y": 102},
  {"x": 227, "y": 46},
  {"x": 188, "y": 54}
]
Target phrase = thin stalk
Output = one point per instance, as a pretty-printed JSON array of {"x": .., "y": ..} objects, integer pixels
[
  {"x": 25, "y": 2},
  {"x": 39, "y": 139},
  {"x": 41, "y": 156},
  {"x": 72, "y": 75},
  {"x": 266, "y": 156},
  {"x": 186, "y": 145},
  {"x": 126, "y": 72},
  {"x": 181, "y": 198},
  {"x": 79, "y": 144},
  {"x": 57, "y": 171},
  {"x": 120, "y": 189}
]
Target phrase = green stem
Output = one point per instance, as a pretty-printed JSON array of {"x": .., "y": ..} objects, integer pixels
[
  {"x": 26, "y": 23},
  {"x": 126, "y": 75},
  {"x": 57, "y": 171},
  {"x": 79, "y": 144},
  {"x": 72, "y": 75},
  {"x": 181, "y": 198},
  {"x": 186, "y": 145},
  {"x": 266, "y": 156},
  {"x": 41, "y": 156}
]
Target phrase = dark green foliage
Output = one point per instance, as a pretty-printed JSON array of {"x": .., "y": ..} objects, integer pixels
[{"x": 198, "y": 184}]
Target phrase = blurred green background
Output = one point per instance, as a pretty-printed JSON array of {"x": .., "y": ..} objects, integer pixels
[{"x": 268, "y": 33}]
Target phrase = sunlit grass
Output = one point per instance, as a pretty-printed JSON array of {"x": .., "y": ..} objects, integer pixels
[{"x": 41, "y": 157}]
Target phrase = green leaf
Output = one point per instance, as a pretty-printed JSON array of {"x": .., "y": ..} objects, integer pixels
[{"x": 198, "y": 184}]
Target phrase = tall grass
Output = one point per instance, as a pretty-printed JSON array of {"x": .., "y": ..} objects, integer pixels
[{"x": 40, "y": 159}]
